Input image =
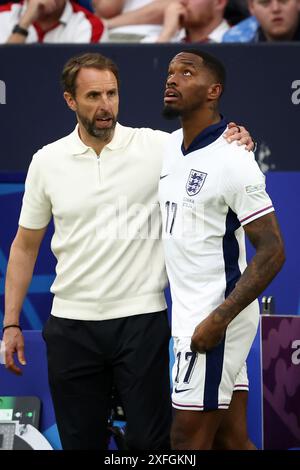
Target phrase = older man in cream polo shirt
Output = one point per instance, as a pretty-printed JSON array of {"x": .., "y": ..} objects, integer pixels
[{"x": 108, "y": 323}]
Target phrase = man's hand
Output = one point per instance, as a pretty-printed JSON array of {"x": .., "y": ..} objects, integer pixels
[
  {"x": 240, "y": 135},
  {"x": 14, "y": 343},
  {"x": 173, "y": 19},
  {"x": 208, "y": 334},
  {"x": 35, "y": 10}
]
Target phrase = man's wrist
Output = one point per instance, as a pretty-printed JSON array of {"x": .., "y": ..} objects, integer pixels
[
  {"x": 18, "y": 29},
  {"x": 223, "y": 315},
  {"x": 12, "y": 325}
]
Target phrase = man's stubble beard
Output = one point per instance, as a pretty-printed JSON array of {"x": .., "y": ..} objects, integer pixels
[
  {"x": 105, "y": 134},
  {"x": 170, "y": 113}
]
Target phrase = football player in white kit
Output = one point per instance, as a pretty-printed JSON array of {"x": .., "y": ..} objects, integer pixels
[{"x": 211, "y": 193}]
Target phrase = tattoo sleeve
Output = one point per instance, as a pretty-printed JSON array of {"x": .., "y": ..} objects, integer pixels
[{"x": 265, "y": 236}]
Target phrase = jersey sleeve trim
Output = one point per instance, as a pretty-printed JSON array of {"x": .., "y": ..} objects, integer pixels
[{"x": 257, "y": 214}]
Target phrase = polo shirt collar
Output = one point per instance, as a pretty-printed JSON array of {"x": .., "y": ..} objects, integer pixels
[
  {"x": 120, "y": 139},
  {"x": 67, "y": 13},
  {"x": 217, "y": 34}
]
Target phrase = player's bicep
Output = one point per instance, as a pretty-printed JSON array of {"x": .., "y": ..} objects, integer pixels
[{"x": 264, "y": 232}]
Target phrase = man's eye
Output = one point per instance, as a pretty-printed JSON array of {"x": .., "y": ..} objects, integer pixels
[{"x": 187, "y": 73}]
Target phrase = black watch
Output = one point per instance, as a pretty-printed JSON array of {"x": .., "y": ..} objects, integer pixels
[{"x": 19, "y": 30}]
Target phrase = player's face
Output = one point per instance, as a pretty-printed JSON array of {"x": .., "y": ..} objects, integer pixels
[
  {"x": 97, "y": 101},
  {"x": 278, "y": 18},
  {"x": 187, "y": 85}
]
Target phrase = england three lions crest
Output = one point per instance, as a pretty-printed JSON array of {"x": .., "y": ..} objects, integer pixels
[{"x": 195, "y": 182}]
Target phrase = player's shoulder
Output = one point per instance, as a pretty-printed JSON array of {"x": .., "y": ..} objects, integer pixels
[
  {"x": 235, "y": 155},
  {"x": 177, "y": 134},
  {"x": 176, "y": 137}
]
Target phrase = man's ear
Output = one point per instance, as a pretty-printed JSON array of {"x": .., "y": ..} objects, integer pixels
[
  {"x": 250, "y": 7},
  {"x": 70, "y": 100},
  {"x": 221, "y": 4},
  {"x": 215, "y": 91}
]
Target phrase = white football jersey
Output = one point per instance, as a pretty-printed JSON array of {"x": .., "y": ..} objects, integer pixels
[{"x": 206, "y": 195}]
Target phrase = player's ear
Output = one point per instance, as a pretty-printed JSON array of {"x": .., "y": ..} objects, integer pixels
[
  {"x": 214, "y": 91},
  {"x": 70, "y": 100}
]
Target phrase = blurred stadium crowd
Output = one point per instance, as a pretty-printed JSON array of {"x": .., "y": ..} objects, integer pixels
[{"x": 149, "y": 21}]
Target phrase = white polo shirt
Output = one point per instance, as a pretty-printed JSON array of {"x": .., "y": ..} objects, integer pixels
[
  {"x": 107, "y": 223},
  {"x": 76, "y": 25}
]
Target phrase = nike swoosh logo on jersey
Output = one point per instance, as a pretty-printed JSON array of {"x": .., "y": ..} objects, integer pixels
[
  {"x": 183, "y": 390},
  {"x": 164, "y": 176}
]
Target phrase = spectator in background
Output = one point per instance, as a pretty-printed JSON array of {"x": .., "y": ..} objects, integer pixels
[
  {"x": 132, "y": 20},
  {"x": 194, "y": 21},
  {"x": 49, "y": 21},
  {"x": 278, "y": 20},
  {"x": 272, "y": 20}
]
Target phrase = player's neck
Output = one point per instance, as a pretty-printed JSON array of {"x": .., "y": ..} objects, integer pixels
[{"x": 196, "y": 122}]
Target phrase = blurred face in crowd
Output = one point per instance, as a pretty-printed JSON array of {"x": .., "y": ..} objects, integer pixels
[
  {"x": 202, "y": 12},
  {"x": 96, "y": 102},
  {"x": 278, "y": 18},
  {"x": 48, "y": 7}
]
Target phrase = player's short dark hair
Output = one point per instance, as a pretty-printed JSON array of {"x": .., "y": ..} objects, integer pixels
[
  {"x": 88, "y": 60},
  {"x": 214, "y": 65}
]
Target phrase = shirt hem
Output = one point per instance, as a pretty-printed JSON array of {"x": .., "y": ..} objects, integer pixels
[{"x": 76, "y": 310}]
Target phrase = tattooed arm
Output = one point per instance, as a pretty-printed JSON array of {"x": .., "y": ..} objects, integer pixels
[{"x": 264, "y": 234}]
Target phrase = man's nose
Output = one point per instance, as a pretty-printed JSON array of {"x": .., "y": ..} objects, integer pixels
[
  {"x": 104, "y": 102},
  {"x": 172, "y": 80},
  {"x": 275, "y": 5}
]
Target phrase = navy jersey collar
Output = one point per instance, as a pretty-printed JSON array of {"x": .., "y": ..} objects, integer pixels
[{"x": 206, "y": 137}]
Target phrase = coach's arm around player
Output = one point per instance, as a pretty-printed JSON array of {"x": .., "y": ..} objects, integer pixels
[
  {"x": 265, "y": 236},
  {"x": 22, "y": 258}
]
